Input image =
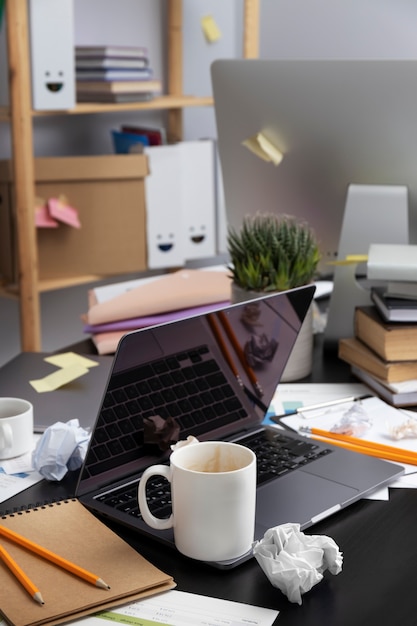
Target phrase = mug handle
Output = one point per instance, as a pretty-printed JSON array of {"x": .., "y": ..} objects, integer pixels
[
  {"x": 151, "y": 520},
  {"x": 6, "y": 436}
]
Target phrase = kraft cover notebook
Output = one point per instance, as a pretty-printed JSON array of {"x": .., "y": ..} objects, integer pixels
[{"x": 68, "y": 529}]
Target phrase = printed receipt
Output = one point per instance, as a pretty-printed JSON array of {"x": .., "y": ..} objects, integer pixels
[{"x": 177, "y": 608}]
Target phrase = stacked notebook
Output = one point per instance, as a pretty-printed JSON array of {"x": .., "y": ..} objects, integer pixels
[
  {"x": 114, "y": 74},
  {"x": 383, "y": 355}
]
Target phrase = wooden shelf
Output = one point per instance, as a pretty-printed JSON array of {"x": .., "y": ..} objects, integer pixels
[
  {"x": 160, "y": 103},
  {"x": 20, "y": 116},
  {"x": 53, "y": 284}
]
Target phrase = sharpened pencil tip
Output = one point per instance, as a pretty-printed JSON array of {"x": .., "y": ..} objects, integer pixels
[
  {"x": 38, "y": 598},
  {"x": 100, "y": 583}
]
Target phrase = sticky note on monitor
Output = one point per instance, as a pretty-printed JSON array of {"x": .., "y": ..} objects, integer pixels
[{"x": 263, "y": 148}]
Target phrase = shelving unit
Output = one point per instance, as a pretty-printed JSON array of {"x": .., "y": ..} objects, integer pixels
[{"x": 20, "y": 116}]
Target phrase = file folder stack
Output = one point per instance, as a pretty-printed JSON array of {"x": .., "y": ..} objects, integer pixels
[{"x": 117, "y": 309}]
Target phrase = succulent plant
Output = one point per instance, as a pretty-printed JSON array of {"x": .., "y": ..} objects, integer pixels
[{"x": 272, "y": 253}]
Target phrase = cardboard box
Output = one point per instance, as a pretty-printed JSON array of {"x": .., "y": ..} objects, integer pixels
[{"x": 108, "y": 193}]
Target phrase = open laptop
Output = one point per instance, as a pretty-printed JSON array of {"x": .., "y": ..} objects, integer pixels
[{"x": 213, "y": 376}]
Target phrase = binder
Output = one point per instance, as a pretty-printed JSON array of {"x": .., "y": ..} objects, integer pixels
[{"x": 70, "y": 530}]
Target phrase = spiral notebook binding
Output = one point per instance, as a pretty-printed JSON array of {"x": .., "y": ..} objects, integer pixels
[{"x": 28, "y": 508}]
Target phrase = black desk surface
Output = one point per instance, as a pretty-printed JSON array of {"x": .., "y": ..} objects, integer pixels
[{"x": 378, "y": 539}]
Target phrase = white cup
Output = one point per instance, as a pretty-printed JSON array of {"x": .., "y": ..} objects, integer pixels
[
  {"x": 16, "y": 427},
  {"x": 213, "y": 493}
]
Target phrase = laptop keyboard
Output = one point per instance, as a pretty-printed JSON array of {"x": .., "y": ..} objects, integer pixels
[
  {"x": 188, "y": 387},
  {"x": 276, "y": 455}
]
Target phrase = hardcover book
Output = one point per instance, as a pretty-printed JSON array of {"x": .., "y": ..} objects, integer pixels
[
  {"x": 357, "y": 353},
  {"x": 114, "y": 97},
  {"x": 92, "y": 63},
  {"x": 394, "y": 309},
  {"x": 391, "y": 393},
  {"x": 111, "y": 51},
  {"x": 393, "y": 341},
  {"x": 392, "y": 262},
  {"x": 402, "y": 289},
  {"x": 118, "y": 86},
  {"x": 115, "y": 74}
]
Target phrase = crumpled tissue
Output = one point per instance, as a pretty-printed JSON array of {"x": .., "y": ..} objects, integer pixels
[
  {"x": 61, "y": 448},
  {"x": 295, "y": 562}
]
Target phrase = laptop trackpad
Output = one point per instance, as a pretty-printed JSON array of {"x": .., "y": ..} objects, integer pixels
[{"x": 297, "y": 498}]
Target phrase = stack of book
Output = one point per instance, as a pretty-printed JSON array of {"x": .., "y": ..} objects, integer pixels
[
  {"x": 396, "y": 266},
  {"x": 383, "y": 355},
  {"x": 114, "y": 74}
]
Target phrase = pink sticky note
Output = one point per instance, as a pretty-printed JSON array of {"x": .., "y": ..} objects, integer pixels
[
  {"x": 43, "y": 218},
  {"x": 63, "y": 212}
]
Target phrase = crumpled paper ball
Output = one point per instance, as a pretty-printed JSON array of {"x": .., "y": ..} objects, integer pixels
[
  {"x": 61, "y": 448},
  {"x": 295, "y": 562},
  {"x": 191, "y": 440}
]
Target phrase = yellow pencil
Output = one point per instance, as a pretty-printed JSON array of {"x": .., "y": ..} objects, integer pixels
[
  {"x": 21, "y": 576},
  {"x": 364, "y": 443},
  {"x": 54, "y": 558},
  {"x": 399, "y": 456}
]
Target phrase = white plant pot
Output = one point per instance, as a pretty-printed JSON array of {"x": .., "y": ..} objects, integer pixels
[{"x": 300, "y": 362}]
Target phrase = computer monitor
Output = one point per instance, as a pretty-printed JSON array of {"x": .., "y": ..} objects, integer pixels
[{"x": 337, "y": 122}]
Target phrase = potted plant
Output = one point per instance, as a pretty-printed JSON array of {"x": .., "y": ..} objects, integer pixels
[{"x": 275, "y": 253}]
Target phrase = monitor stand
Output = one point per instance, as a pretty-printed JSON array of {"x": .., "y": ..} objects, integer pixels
[{"x": 373, "y": 214}]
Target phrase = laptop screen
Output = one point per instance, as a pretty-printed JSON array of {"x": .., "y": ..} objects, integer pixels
[{"x": 209, "y": 376}]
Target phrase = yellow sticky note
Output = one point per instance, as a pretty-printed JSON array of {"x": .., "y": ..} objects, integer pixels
[
  {"x": 67, "y": 359},
  {"x": 262, "y": 147},
  {"x": 268, "y": 147},
  {"x": 351, "y": 259},
  {"x": 59, "y": 378},
  {"x": 210, "y": 29},
  {"x": 253, "y": 145}
]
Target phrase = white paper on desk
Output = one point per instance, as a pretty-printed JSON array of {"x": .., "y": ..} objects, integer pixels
[
  {"x": 12, "y": 484},
  {"x": 17, "y": 474},
  {"x": 291, "y": 396},
  {"x": 383, "y": 417},
  {"x": 177, "y": 608}
]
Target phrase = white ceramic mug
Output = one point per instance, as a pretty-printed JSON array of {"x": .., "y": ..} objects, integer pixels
[
  {"x": 213, "y": 493},
  {"x": 16, "y": 427}
]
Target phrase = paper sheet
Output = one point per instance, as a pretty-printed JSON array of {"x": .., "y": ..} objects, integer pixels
[
  {"x": 383, "y": 417},
  {"x": 11, "y": 484},
  {"x": 17, "y": 474},
  {"x": 291, "y": 396},
  {"x": 177, "y": 608}
]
